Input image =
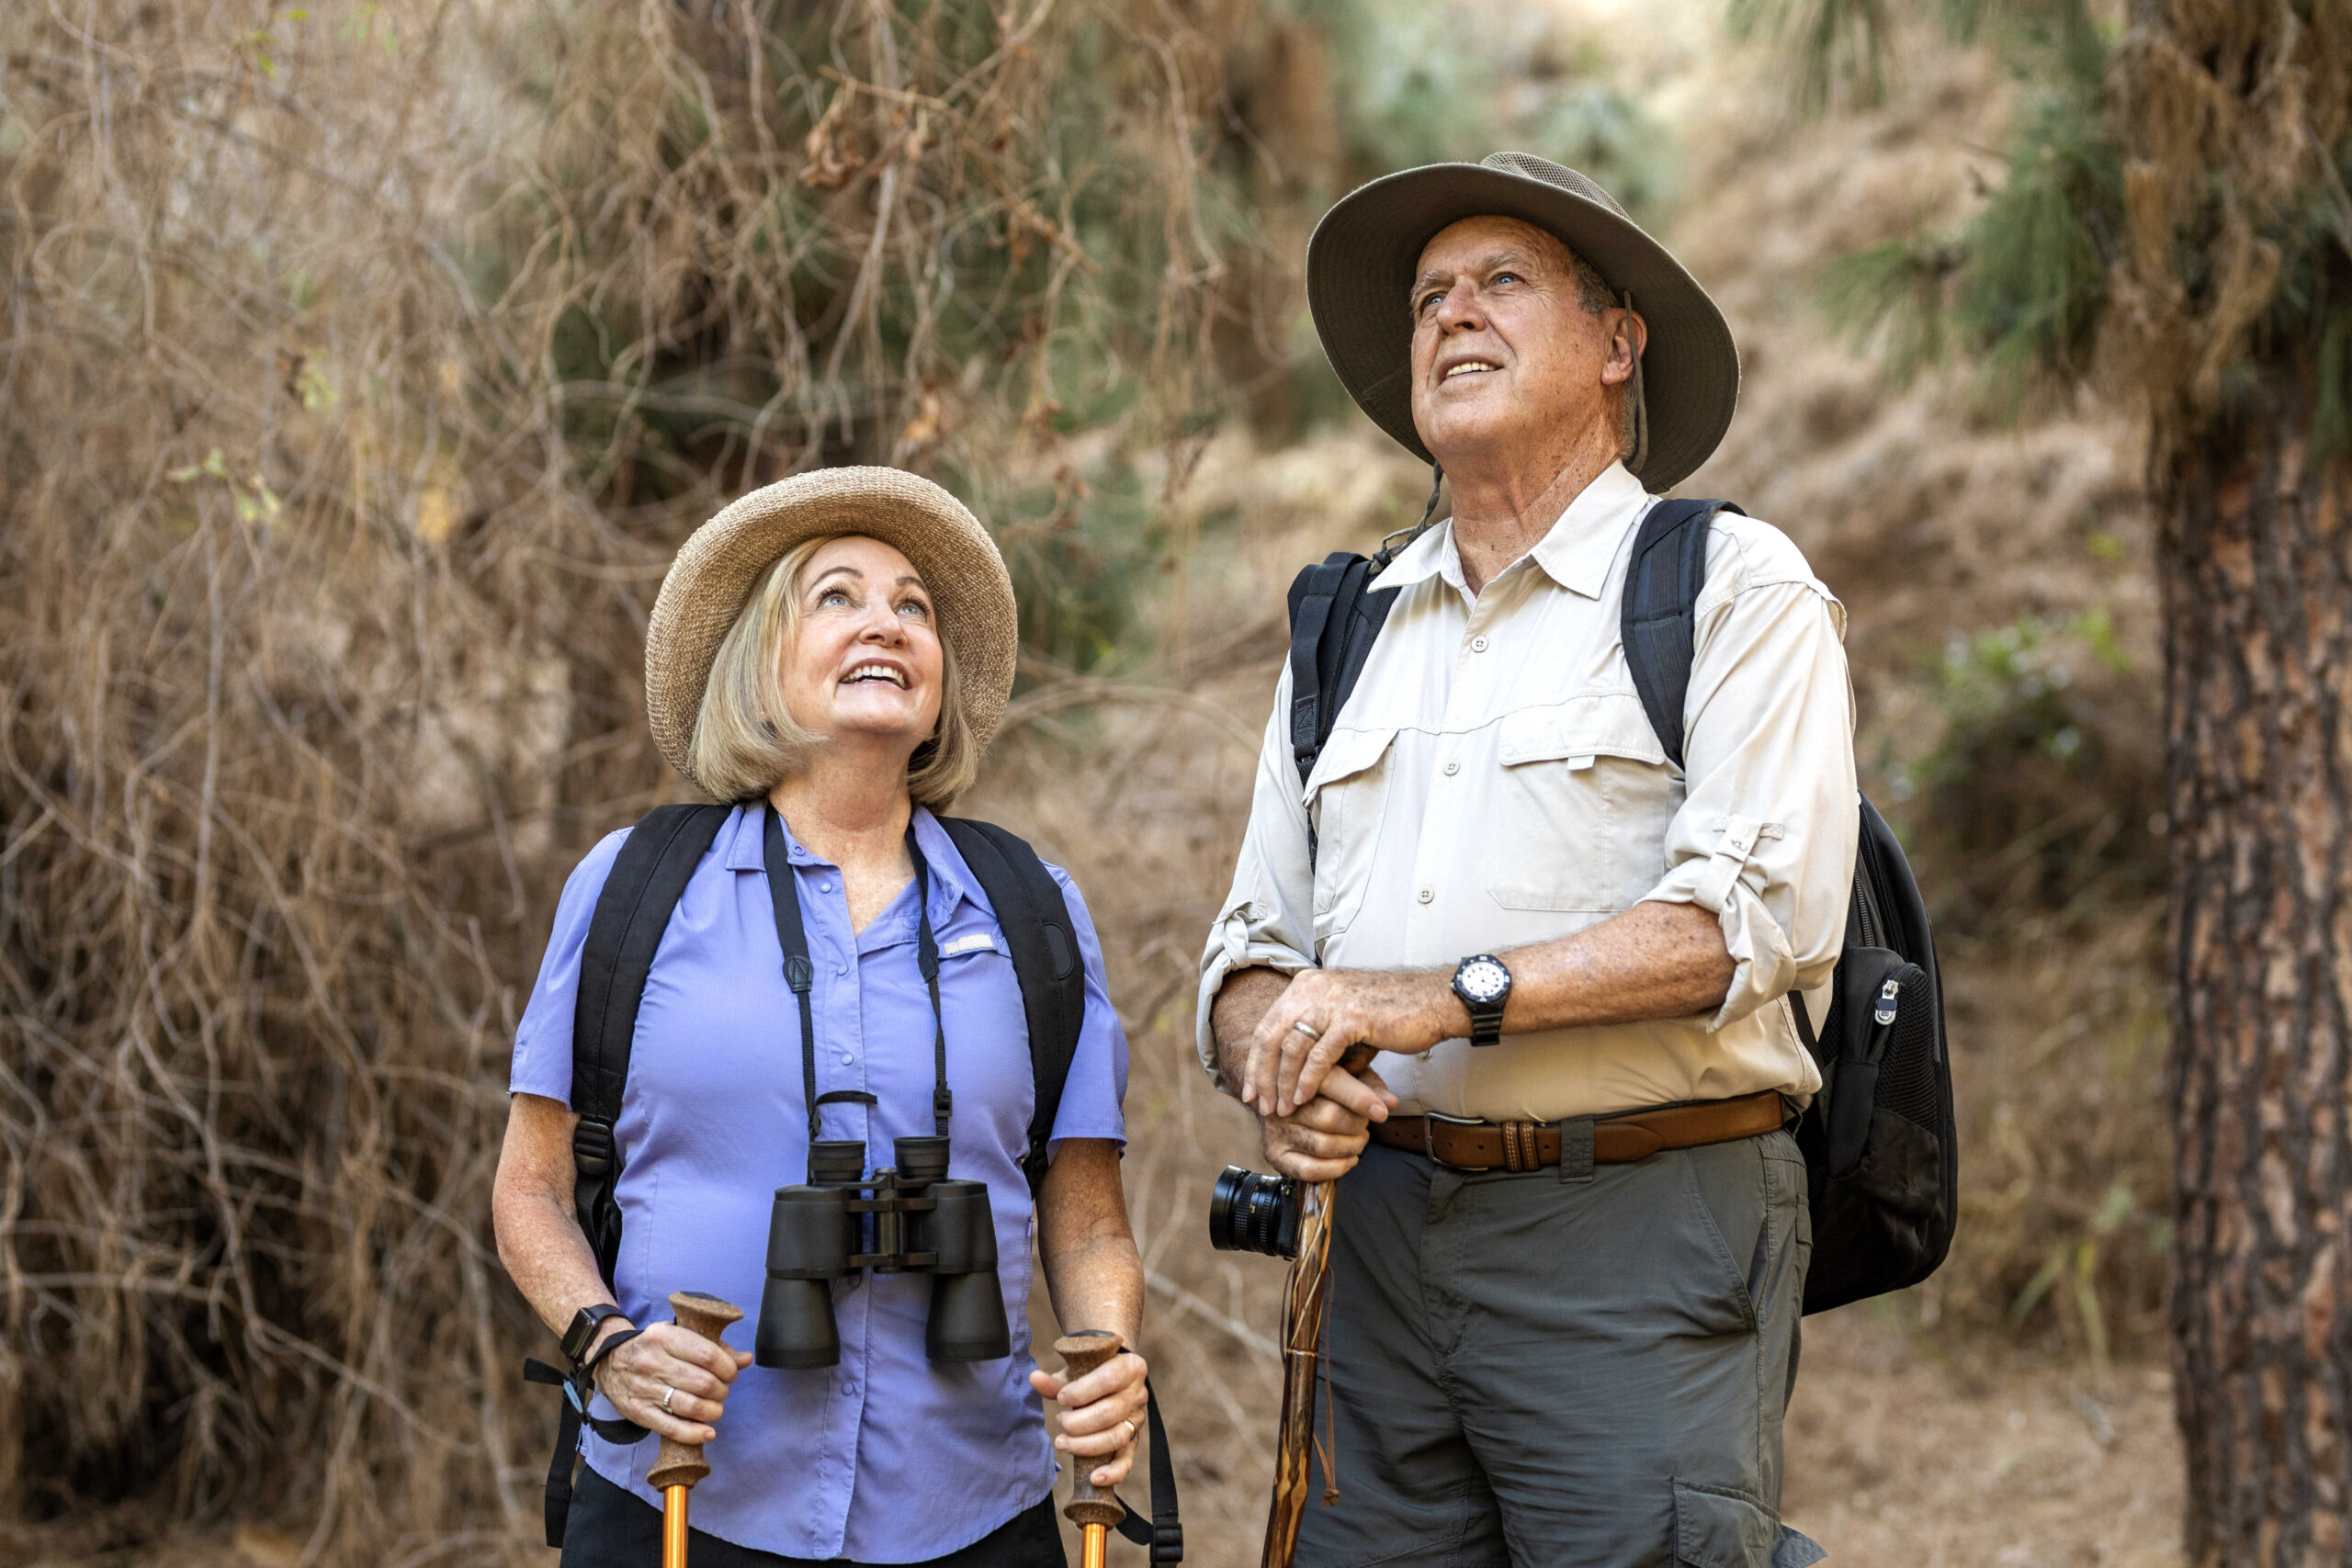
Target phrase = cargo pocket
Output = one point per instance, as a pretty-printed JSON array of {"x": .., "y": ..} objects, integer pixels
[
  {"x": 1346, "y": 798},
  {"x": 1717, "y": 1527},
  {"x": 1586, "y": 773}
]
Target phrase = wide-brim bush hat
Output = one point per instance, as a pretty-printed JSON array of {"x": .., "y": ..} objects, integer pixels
[
  {"x": 1360, "y": 269},
  {"x": 717, "y": 568}
]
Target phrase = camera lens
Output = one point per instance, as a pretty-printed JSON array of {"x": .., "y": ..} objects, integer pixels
[{"x": 1250, "y": 1211}]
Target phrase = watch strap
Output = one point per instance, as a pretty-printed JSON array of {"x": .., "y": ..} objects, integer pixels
[{"x": 582, "y": 1333}]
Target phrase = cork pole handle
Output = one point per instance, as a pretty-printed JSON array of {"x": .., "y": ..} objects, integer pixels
[
  {"x": 681, "y": 1464},
  {"x": 1089, "y": 1505}
]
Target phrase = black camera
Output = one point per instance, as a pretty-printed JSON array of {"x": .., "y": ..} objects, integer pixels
[
  {"x": 907, "y": 1219},
  {"x": 1253, "y": 1212}
]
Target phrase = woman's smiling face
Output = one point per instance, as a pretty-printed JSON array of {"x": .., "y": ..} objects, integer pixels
[{"x": 866, "y": 658}]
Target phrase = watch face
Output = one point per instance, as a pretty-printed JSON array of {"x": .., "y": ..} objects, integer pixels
[{"x": 1483, "y": 980}]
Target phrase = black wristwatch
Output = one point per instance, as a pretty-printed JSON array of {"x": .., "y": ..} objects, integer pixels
[
  {"x": 1483, "y": 986},
  {"x": 583, "y": 1332}
]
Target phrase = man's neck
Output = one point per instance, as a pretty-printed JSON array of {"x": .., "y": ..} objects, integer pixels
[{"x": 1503, "y": 509}]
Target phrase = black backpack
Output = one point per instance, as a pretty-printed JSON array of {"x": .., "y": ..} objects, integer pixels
[
  {"x": 640, "y": 895},
  {"x": 1880, "y": 1140}
]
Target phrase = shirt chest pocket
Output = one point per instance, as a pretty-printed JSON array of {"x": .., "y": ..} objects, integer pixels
[
  {"x": 1582, "y": 800},
  {"x": 1347, "y": 799}
]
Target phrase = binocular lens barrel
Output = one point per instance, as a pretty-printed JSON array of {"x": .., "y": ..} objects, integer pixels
[
  {"x": 807, "y": 1250},
  {"x": 837, "y": 1162},
  {"x": 920, "y": 1161},
  {"x": 966, "y": 1321}
]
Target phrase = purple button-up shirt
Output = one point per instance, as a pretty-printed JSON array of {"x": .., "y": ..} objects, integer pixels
[{"x": 889, "y": 1457}]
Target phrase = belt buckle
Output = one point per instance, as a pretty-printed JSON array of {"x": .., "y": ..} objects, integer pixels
[{"x": 1429, "y": 1119}]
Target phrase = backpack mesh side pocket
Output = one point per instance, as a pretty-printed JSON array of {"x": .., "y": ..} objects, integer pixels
[{"x": 1907, "y": 1074}]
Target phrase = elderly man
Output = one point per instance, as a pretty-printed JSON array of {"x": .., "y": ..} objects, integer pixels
[{"x": 1571, "y": 1232}]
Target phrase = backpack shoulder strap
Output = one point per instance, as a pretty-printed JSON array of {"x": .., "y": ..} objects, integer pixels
[
  {"x": 1659, "y": 620},
  {"x": 1333, "y": 623},
  {"x": 633, "y": 910},
  {"x": 1038, "y": 927}
]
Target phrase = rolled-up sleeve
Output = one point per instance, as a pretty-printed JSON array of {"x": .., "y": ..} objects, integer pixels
[
  {"x": 1766, "y": 835},
  {"x": 1268, "y": 920}
]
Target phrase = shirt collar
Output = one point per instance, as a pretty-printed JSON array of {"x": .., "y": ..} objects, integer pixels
[
  {"x": 1582, "y": 546},
  {"x": 742, "y": 848},
  {"x": 1577, "y": 553}
]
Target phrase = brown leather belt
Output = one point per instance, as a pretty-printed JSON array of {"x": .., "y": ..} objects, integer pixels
[{"x": 1616, "y": 1139}]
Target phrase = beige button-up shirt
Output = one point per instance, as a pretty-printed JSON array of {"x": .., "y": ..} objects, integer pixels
[{"x": 1494, "y": 783}]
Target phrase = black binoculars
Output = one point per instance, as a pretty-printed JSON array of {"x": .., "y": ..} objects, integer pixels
[
  {"x": 1250, "y": 1211},
  {"x": 910, "y": 1219}
]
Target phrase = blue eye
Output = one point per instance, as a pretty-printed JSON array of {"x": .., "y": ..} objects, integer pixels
[{"x": 915, "y": 607}]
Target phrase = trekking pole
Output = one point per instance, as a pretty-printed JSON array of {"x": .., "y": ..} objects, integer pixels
[
  {"x": 1090, "y": 1508},
  {"x": 680, "y": 1465}
]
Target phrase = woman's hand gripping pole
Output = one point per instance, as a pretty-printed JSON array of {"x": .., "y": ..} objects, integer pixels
[
  {"x": 1092, "y": 1508},
  {"x": 680, "y": 1465}
]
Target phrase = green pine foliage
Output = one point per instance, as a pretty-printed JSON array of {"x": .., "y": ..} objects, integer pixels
[
  {"x": 2032, "y": 280},
  {"x": 1836, "y": 46},
  {"x": 2022, "y": 288},
  {"x": 1420, "y": 84}
]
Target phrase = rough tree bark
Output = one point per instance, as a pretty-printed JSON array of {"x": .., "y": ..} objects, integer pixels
[{"x": 2257, "y": 577}]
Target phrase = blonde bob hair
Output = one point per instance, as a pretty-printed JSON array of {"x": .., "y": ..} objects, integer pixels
[{"x": 745, "y": 742}]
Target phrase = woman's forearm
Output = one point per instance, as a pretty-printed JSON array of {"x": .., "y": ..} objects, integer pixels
[
  {"x": 1093, "y": 1273},
  {"x": 1099, "y": 1286},
  {"x": 539, "y": 1239},
  {"x": 547, "y": 1257}
]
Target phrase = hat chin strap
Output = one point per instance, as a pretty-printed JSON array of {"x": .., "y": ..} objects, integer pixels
[{"x": 1638, "y": 409}]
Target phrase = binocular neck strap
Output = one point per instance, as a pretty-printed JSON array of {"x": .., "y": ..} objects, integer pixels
[
  {"x": 927, "y": 960},
  {"x": 783, "y": 896}
]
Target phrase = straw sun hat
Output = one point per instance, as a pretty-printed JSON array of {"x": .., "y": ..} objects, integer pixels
[
  {"x": 1360, "y": 276},
  {"x": 719, "y": 566}
]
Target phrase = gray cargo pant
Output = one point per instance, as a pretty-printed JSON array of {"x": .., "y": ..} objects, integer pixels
[{"x": 1564, "y": 1373}]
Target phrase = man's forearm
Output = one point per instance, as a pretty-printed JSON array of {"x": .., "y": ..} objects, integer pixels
[
  {"x": 1653, "y": 961},
  {"x": 1241, "y": 1002}
]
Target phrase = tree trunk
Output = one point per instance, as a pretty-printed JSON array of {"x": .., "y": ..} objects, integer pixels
[{"x": 2256, "y": 574}]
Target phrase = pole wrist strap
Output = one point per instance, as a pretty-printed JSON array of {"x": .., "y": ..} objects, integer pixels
[{"x": 1165, "y": 1534}]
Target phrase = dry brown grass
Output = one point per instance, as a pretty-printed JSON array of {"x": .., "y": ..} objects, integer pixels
[{"x": 361, "y": 369}]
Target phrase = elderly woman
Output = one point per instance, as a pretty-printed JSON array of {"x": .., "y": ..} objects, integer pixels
[{"x": 830, "y": 655}]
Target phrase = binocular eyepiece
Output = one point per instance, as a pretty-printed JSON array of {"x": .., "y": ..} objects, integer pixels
[
  {"x": 1250, "y": 1211},
  {"x": 910, "y": 1219}
]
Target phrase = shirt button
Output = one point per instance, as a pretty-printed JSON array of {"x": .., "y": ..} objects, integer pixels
[
  {"x": 1426, "y": 894},
  {"x": 847, "y": 1059},
  {"x": 824, "y": 887},
  {"x": 1452, "y": 769},
  {"x": 1477, "y": 645}
]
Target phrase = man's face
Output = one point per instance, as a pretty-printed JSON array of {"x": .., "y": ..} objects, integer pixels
[{"x": 1506, "y": 361}]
